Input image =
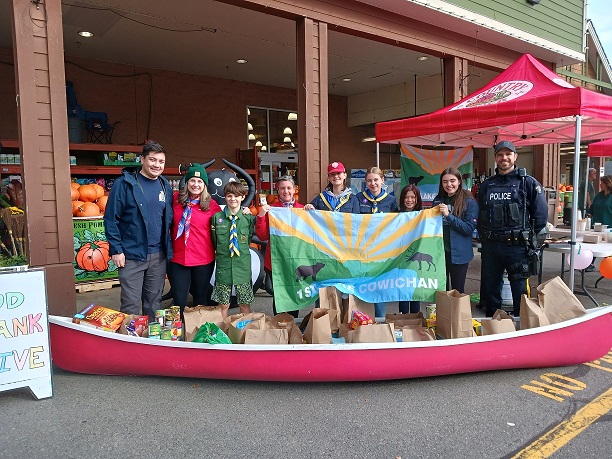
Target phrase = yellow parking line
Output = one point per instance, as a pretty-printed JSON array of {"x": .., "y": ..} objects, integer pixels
[{"x": 559, "y": 436}]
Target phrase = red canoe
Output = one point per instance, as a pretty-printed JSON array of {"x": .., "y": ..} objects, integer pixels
[{"x": 82, "y": 349}]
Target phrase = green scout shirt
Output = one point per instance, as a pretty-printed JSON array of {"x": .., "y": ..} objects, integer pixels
[{"x": 232, "y": 270}]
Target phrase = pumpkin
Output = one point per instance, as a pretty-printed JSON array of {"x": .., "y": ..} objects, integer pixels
[
  {"x": 99, "y": 189},
  {"x": 271, "y": 198},
  {"x": 88, "y": 193},
  {"x": 75, "y": 207},
  {"x": 254, "y": 210},
  {"x": 74, "y": 194},
  {"x": 101, "y": 203},
  {"x": 93, "y": 256},
  {"x": 88, "y": 209},
  {"x": 75, "y": 185}
]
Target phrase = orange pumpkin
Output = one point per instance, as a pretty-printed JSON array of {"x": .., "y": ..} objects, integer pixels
[
  {"x": 75, "y": 207},
  {"x": 101, "y": 203},
  {"x": 74, "y": 185},
  {"x": 88, "y": 209},
  {"x": 88, "y": 193},
  {"x": 74, "y": 194},
  {"x": 93, "y": 256},
  {"x": 99, "y": 189},
  {"x": 271, "y": 198},
  {"x": 253, "y": 210}
]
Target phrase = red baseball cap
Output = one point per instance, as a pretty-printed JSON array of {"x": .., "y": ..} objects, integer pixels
[{"x": 335, "y": 167}]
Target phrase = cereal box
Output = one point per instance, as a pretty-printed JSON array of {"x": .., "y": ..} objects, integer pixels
[{"x": 101, "y": 317}]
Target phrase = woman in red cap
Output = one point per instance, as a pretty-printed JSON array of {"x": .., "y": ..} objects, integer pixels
[{"x": 336, "y": 197}]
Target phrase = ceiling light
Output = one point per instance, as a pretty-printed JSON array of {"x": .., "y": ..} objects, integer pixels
[
  {"x": 287, "y": 131},
  {"x": 86, "y": 34},
  {"x": 287, "y": 140},
  {"x": 422, "y": 58},
  {"x": 251, "y": 136},
  {"x": 241, "y": 61},
  {"x": 249, "y": 126},
  {"x": 346, "y": 80},
  {"x": 292, "y": 116},
  {"x": 292, "y": 145},
  {"x": 264, "y": 148},
  {"x": 248, "y": 111},
  {"x": 368, "y": 139},
  {"x": 258, "y": 144}
]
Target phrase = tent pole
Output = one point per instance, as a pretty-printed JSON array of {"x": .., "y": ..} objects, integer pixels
[
  {"x": 574, "y": 200},
  {"x": 377, "y": 154},
  {"x": 586, "y": 189}
]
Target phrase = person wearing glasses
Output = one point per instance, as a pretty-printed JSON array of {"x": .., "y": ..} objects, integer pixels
[{"x": 336, "y": 197}]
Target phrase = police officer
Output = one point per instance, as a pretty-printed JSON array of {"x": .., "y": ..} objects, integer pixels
[{"x": 513, "y": 211}]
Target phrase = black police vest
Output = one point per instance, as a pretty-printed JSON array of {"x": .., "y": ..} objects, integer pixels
[{"x": 503, "y": 206}]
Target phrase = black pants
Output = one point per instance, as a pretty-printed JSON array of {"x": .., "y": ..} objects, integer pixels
[
  {"x": 270, "y": 289},
  {"x": 457, "y": 274},
  {"x": 409, "y": 306},
  {"x": 190, "y": 279}
]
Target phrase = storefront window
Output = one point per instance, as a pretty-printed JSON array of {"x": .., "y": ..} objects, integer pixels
[{"x": 270, "y": 130}]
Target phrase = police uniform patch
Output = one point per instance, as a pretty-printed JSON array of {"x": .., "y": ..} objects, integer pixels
[{"x": 539, "y": 189}]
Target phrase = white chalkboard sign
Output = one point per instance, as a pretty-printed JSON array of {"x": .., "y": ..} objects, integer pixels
[{"x": 25, "y": 360}]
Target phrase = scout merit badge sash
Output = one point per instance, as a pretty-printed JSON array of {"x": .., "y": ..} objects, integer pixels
[
  {"x": 339, "y": 202},
  {"x": 377, "y": 257},
  {"x": 185, "y": 223},
  {"x": 373, "y": 200}
]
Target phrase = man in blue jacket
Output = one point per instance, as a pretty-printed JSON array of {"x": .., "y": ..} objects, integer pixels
[
  {"x": 513, "y": 212},
  {"x": 137, "y": 222}
]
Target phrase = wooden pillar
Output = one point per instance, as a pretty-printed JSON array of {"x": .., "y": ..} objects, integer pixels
[
  {"x": 546, "y": 164},
  {"x": 313, "y": 126},
  {"x": 43, "y": 135},
  {"x": 455, "y": 79}
]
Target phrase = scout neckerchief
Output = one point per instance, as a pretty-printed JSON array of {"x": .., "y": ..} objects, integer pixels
[
  {"x": 335, "y": 203},
  {"x": 288, "y": 204},
  {"x": 370, "y": 197},
  {"x": 233, "y": 235},
  {"x": 185, "y": 223}
]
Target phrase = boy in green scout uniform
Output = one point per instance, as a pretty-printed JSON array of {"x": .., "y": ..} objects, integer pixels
[{"x": 231, "y": 233}]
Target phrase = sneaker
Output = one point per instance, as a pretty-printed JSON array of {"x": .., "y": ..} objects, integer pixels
[{"x": 590, "y": 268}]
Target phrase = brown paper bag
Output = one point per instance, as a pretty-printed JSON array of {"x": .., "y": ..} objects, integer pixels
[
  {"x": 331, "y": 298},
  {"x": 558, "y": 301},
  {"x": 501, "y": 322},
  {"x": 373, "y": 333},
  {"x": 236, "y": 334},
  {"x": 126, "y": 321},
  {"x": 318, "y": 329},
  {"x": 285, "y": 321},
  {"x": 197, "y": 316},
  {"x": 415, "y": 319},
  {"x": 352, "y": 303},
  {"x": 532, "y": 314},
  {"x": 266, "y": 336},
  {"x": 453, "y": 315},
  {"x": 418, "y": 334}
]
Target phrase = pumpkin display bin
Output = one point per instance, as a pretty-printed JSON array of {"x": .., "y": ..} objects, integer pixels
[{"x": 92, "y": 260}]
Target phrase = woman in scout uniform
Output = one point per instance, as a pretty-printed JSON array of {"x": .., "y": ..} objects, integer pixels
[
  {"x": 337, "y": 197},
  {"x": 193, "y": 262},
  {"x": 375, "y": 200},
  {"x": 231, "y": 232}
]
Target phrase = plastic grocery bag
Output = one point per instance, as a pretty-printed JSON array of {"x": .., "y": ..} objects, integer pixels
[{"x": 211, "y": 333}]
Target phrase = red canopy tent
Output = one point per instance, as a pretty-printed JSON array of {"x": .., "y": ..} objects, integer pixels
[
  {"x": 600, "y": 149},
  {"x": 527, "y": 104}
]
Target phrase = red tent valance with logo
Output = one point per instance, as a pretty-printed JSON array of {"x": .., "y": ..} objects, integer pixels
[{"x": 527, "y": 104}]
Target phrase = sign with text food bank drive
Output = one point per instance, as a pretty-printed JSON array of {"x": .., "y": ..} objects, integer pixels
[
  {"x": 376, "y": 257},
  {"x": 25, "y": 360}
]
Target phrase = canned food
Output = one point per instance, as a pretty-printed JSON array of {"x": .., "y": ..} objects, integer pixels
[
  {"x": 430, "y": 310},
  {"x": 154, "y": 329},
  {"x": 160, "y": 316},
  {"x": 166, "y": 334},
  {"x": 177, "y": 330}
]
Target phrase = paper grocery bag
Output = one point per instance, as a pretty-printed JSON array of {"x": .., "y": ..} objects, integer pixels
[
  {"x": 413, "y": 320},
  {"x": 285, "y": 321},
  {"x": 501, "y": 322},
  {"x": 197, "y": 316},
  {"x": 331, "y": 298},
  {"x": 318, "y": 329},
  {"x": 355, "y": 303},
  {"x": 237, "y": 327},
  {"x": 453, "y": 315},
  {"x": 266, "y": 336},
  {"x": 532, "y": 314},
  {"x": 373, "y": 333},
  {"x": 418, "y": 334},
  {"x": 558, "y": 301}
]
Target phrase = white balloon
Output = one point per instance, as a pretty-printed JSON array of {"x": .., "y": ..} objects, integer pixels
[{"x": 582, "y": 258}]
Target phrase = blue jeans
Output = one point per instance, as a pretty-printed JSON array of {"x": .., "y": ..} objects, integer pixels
[
  {"x": 380, "y": 309},
  {"x": 409, "y": 306},
  {"x": 497, "y": 257}
]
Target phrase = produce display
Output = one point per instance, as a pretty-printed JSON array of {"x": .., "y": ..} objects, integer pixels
[
  {"x": 12, "y": 224},
  {"x": 88, "y": 199}
]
